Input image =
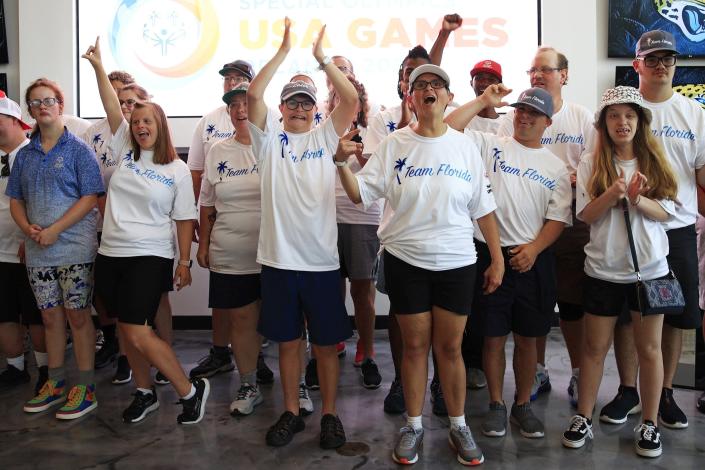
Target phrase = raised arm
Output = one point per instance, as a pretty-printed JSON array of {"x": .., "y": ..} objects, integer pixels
[
  {"x": 110, "y": 100},
  {"x": 343, "y": 114},
  {"x": 492, "y": 96},
  {"x": 256, "y": 108},
  {"x": 450, "y": 23}
]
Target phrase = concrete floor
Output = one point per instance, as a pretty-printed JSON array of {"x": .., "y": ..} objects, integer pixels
[{"x": 101, "y": 440}]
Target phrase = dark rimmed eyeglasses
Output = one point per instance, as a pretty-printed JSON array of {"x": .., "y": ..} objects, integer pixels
[
  {"x": 5, "y": 160},
  {"x": 542, "y": 70},
  {"x": 48, "y": 102},
  {"x": 422, "y": 84},
  {"x": 128, "y": 102},
  {"x": 293, "y": 104},
  {"x": 652, "y": 61}
]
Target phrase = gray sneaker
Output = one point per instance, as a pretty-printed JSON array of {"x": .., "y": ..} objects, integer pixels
[
  {"x": 468, "y": 452},
  {"x": 475, "y": 379},
  {"x": 495, "y": 423},
  {"x": 406, "y": 451},
  {"x": 529, "y": 424}
]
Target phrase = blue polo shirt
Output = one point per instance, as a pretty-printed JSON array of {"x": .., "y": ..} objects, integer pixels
[{"x": 50, "y": 184}]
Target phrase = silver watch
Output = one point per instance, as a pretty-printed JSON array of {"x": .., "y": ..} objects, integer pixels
[{"x": 325, "y": 61}]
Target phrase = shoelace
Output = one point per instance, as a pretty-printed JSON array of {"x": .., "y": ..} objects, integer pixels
[
  {"x": 303, "y": 393},
  {"x": 76, "y": 396},
  {"x": 577, "y": 423},
  {"x": 408, "y": 437},
  {"x": 647, "y": 431},
  {"x": 244, "y": 391},
  {"x": 467, "y": 442}
]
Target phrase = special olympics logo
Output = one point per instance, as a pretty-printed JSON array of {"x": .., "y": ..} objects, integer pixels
[{"x": 170, "y": 38}]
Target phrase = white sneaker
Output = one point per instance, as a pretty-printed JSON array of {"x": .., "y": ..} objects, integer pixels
[
  {"x": 248, "y": 396},
  {"x": 475, "y": 379},
  {"x": 305, "y": 403}
]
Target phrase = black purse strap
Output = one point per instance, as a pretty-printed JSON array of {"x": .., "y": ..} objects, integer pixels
[{"x": 630, "y": 235}]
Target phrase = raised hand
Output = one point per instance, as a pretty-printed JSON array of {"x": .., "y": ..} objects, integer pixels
[
  {"x": 318, "y": 45},
  {"x": 93, "y": 53},
  {"x": 347, "y": 147},
  {"x": 493, "y": 94},
  {"x": 286, "y": 39},
  {"x": 452, "y": 22}
]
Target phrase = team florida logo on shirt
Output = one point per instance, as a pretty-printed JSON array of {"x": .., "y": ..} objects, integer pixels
[
  {"x": 226, "y": 171},
  {"x": 406, "y": 169},
  {"x": 500, "y": 165},
  {"x": 670, "y": 132},
  {"x": 307, "y": 154},
  {"x": 391, "y": 126},
  {"x": 146, "y": 173},
  {"x": 97, "y": 141},
  {"x": 213, "y": 133}
]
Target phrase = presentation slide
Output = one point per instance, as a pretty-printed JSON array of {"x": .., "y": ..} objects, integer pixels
[{"x": 175, "y": 48}]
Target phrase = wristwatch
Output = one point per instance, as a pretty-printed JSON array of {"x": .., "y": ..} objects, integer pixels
[
  {"x": 338, "y": 163},
  {"x": 325, "y": 61},
  {"x": 186, "y": 263}
]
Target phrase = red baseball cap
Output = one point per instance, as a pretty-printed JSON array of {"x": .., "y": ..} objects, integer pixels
[{"x": 488, "y": 66}]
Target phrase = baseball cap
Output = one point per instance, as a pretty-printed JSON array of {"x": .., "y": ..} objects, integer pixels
[
  {"x": 487, "y": 66},
  {"x": 239, "y": 66},
  {"x": 537, "y": 98},
  {"x": 298, "y": 87},
  {"x": 240, "y": 88},
  {"x": 622, "y": 95},
  {"x": 656, "y": 40},
  {"x": 10, "y": 108},
  {"x": 429, "y": 68}
]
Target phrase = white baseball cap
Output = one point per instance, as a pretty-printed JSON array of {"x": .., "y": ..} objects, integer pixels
[{"x": 10, "y": 108}]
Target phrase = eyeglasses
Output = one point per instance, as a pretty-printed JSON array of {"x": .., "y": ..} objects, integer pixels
[
  {"x": 422, "y": 84},
  {"x": 542, "y": 70},
  {"x": 5, "y": 160},
  {"x": 235, "y": 78},
  {"x": 48, "y": 102},
  {"x": 652, "y": 61},
  {"x": 128, "y": 102},
  {"x": 293, "y": 104}
]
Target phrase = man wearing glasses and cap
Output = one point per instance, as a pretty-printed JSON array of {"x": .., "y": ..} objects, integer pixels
[{"x": 679, "y": 125}]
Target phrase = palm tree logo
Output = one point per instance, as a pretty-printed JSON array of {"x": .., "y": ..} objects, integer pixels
[
  {"x": 392, "y": 126},
  {"x": 210, "y": 129},
  {"x": 128, "y": 156},
  {"x": 284, "y": 139},
  {"x": 97, "y": 141},
  {"x": 104, "y": 158},
  {"x": 317, "y": 118},
  {"x": 496, "y": 156},
  {"x": 399, "y": 166},
  {"x": 222, "y": 167}
]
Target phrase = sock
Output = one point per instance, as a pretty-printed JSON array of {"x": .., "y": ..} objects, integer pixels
[
  {"x": 42, "y": 358},
  {"x": 16, "y": 362},
  {"x": 190, "y": 394},
  {"x": 250, "y": 378},
  {"x": 221, "y": 350},
  {"x": 108, "y": 332},
  {"x": 576, "y": 372},
  {"x": 86, "y": 377},
  {"x": 540, "y": 368},
  {"x": 414, "y": 422},
  {"x": 146, "y": 391},
  {"x": 57, "y": 373},
  {"x": 457, "y": 422}
]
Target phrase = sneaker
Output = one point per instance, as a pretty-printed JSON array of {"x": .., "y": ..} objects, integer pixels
[
  {"x": 284, "y": 429},
  {"x": 123, "y": 374},
  {"x": 573, "y": 391},
  {"x": 12, "y": 377},
  {"x": 370, "y": 374},
  {"x": 529, "y": 425},
  {"x": 42, "y": 377},
  {"x": 211, "y": 365},
  {"x": 160, "y": 379},
  {"x": 475, "y": 379},
  {"x": 495, "y": 423},
  {"x": 340, "y": 349},
  {"x": 669, "y": 412},
  {"x": 106, "y": 354},
  {"x": 51, "y": 394},
  {"x": 81, "y": 401},
  {"x": 305, "y": 402},
  {"x": 406, "y": 450},
  {"x": 265, "y": 343},
  {"x": 359, "y": 355},
  {"x": 264, "y": 373},
  {"x": 579, "y": 429},
  {"x": 332, "y": 432},
  {"x": 701, "y": 403},
  {"x": 647, "y": 440},
  {"x": 195, "y": 407},
  {"x": 542, "y": 384},
  {"x": 394, "y": 401},
  {"x": 438, "y": 403},
  {"x": 141, "y": 406},
  {"x": 462, "y": 442},
  {"x": 248, "y": 396},
  {"x": 99, "y": 339},
  {"x": 624, "y": 404},
  {"x": 311, "y": 377}
]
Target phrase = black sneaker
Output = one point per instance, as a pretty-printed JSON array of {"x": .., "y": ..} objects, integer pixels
[
  {"x": 437, "y": 401},
  {"x": 669, "y": 412},
  {"x": 394, "y": 401},
  {"x": 624, "y": 404},
  {"x": 160, "y": 379},
  {"x": 332, "y": 432},
  {"x": 579, "y": 430},
  {"x": 141, "y": 406},
  {"x": 106, "y": 354},
  {"x": 212, "y": 364},
  {"x": 195, "y": 407},
  {"x": 42, "y": 377},
  {"x": 264, "y": 373},
  {"x": 647, "y": 440},
  {"x": 12, "y": 376},
  {"x": 370, "y": 374},
  {"x": 284, "y": 429},
  {"x": 311, "y": 377},
  {"x": 123, "y": 374},
  {"x": 701, "y": 403}
]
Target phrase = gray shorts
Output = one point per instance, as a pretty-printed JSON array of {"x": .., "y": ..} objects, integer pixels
[
  {"x": 378, "y": 274},
  {"x": 357, "y": 249}
]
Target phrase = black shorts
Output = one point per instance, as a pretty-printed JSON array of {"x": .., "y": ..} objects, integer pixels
[
  {"x": 233, "y": 290},
  {"x": 416, "y": 290},
  {"x": 683, "y": 260},
  {"x": 609, "y": 299},
  {"x": 131, "y": 287},
  {"x": 18, "y": 302},
  {"x": 523, "y": 303}
]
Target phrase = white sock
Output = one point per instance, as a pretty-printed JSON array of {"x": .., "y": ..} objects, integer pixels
[
  {"x": 576, "y": 372},
  {"x": 414, "y": 422},
  {"x": 42, "y": 358},
  {"x": 540, "y": 368},
  {"x": 190, "y": 394},
  {"x": 457, "y": 422},
  {"x": 146, "y": 391},
  {"x": 17, "y": 362}
]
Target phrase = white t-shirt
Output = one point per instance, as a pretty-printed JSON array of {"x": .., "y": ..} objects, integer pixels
[
  {"x": 98, "y": 137},
  {"x": 679, "y": 124},
  {"x": 435, "y": 186},
  {"x": 569, "y": 136},
  {"x": 298, "y": 230},
  {"x": 143, "y": 199},
  {"x": 76, "y": 125},
  {"x": 607, "y": 253},
  {"x": 231, "y": 184},
  {"x": 483, "y": 124},
  {"x": 211, "y": 128},
  {"x": 10, "y": 234},
  {"x": 529, "y": 185}
]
